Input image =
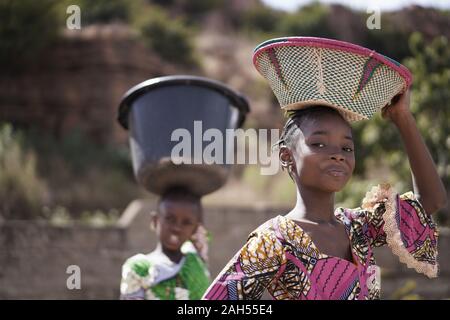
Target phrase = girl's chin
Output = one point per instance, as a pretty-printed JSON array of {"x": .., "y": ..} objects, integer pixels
[
  {"x": 333, "y": 187},
  {"x": 173, "y": 244},
  {"x": 327, "y": 185},
  {"x": 172, "y": 247},
  {"x": 338, "y": 188}
]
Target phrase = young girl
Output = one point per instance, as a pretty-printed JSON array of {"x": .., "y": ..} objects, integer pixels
[
  {"x": 318, "y": 252},
  {"x": 174, "y": 270}
]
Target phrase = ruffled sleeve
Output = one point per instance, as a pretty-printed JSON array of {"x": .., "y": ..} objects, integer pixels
[
  {"x": 250, "y": 271},
  {"x": 401, "y": 222}
]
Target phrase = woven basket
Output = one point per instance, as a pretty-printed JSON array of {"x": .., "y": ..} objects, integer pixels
[{"x": 306, "y": 71}]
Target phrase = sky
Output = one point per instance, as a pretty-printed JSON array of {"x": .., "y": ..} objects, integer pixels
[{"x": 360, "y": 4}]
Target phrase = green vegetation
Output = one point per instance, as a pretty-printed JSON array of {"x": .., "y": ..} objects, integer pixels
[
  {"x": 310, "y": 20},
  {"x": 260, "y": 20},
  {"x": 406, "y": 292},
  {"x": 43, "y": 177},
  {"x": 170, "y": 37},
  {"x": 22, "y": 190},
  {"x": 103, "y": 11},
  {"x": 27, "y": 27}
]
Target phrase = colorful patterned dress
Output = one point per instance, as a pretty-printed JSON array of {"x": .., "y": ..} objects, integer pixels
[
  {"x": 280, "y": 257},
  {"x": 155, "y": 277}
]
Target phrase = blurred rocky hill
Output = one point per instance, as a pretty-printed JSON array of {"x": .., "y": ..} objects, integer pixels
[
  {"x": 78, "y": 81},
  {"x": 57, "y": 81}
]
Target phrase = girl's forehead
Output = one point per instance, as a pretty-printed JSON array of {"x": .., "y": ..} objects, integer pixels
[
  {"x": 326, "y": 124},
  {"x": 185, "y": 208}
]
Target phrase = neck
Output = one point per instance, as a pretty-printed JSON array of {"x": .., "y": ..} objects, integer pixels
[
  {"x": 173, "y": 255},
  {"x": 313, "y": 205}
]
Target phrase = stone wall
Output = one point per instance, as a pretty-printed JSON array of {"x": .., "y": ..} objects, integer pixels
[{"x": 34, "y": 256}]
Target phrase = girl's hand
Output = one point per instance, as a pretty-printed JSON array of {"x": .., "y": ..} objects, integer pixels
[
  {"x": 200, "y": 241},
  {"x": 398, "y": 109}
]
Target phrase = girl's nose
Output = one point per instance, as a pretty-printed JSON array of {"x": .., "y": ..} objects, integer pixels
[
  {"x": 336, "y": 155},
  {"x": 176, "y": 228}
]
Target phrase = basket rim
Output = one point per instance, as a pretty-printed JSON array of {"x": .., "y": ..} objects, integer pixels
[
  {"x": 307, "y": 103},
  {"x": 333, "y": 45}
]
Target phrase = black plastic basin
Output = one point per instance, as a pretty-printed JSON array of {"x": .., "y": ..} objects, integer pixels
[{"x": 153, "y": 109}]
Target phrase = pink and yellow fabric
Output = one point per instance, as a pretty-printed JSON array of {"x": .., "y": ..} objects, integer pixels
[{"x": 280, "y": 257}]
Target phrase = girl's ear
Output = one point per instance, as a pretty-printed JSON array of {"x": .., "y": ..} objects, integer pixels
[
  {"x": 287, "y": 161},
  {"x": 153, "y": 220},
  {"x": 286, "y": 158}
]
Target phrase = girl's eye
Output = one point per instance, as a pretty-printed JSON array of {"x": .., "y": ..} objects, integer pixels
[
  {"x": 169, "y": 219},
  {"x": 347, "y": 149},
  {"x": 320, "y": 145}
]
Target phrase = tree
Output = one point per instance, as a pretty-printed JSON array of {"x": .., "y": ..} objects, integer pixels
[{"x": 27, "y": 27}]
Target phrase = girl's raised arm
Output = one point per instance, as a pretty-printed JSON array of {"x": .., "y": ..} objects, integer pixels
[{"x": 428, "y": 186}]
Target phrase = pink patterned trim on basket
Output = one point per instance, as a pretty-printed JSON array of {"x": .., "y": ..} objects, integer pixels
[
  {"x": 335, "y": 45},
  {"x": 273, "y": 58},
  {"x": 369, "y": 68}
]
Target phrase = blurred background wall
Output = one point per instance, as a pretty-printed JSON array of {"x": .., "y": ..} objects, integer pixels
[{"x": 36, "y": 255}]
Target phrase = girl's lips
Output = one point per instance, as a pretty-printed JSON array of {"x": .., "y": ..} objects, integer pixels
[
  {"x": 336, "y": 173},
  {"x": 336, "y": 170},
  {"x": 173, "y": 239}
]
